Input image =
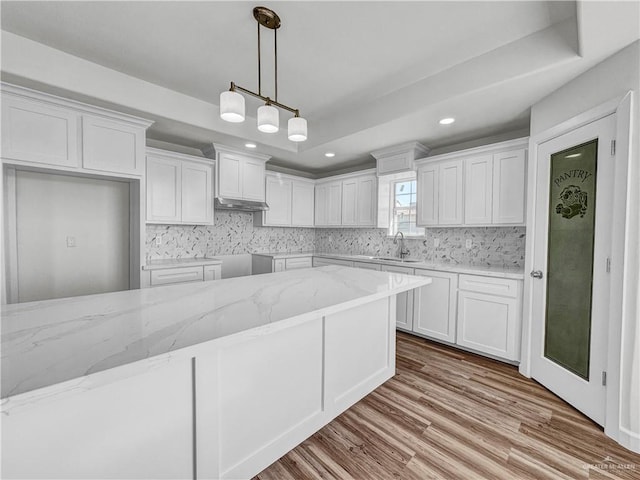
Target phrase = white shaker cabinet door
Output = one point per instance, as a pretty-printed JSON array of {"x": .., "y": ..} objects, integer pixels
[
  {"x": 229, "y": 176},
  {"x": 334, "y": 203},
  {"x": 38, "y": 132},
  {"x": 164, "y": 185},
  {"x": 450, "y": 195},
  {"x": 302, "y": 207},
  {"x": 434, "y": 306},
  {"x": 111, "y": 146},
  {"x": 197, "y": 194},
  {"x": 349, "y": 202},
  {"x": 253, "y": 180},
  {"x": 321, "y": 205},
  {"x": 278, "y": 197},
  {"x": 366, "y": 204},
  {"x": 478, "y": 192},
  {"x": 489, "y": 324},
  {"x": 509, "y": 189},
  {"x": 427, "y": 185}
]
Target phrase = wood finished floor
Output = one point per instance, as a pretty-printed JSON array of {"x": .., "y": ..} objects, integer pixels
[{"x": 454, "y": 415}]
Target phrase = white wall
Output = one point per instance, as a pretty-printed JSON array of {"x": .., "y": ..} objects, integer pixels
[
  {"x": 50, "y": 208},
  {"x": 611, "y": 80}
]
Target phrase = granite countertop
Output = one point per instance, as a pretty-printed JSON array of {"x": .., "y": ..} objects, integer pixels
[
  {"x": 180, "y": 262},
  {"x": 49, "y": 342}
]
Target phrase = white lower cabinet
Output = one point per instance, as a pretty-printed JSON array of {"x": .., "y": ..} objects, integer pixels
[
  {"x": 367, "y": 266},
  {"x": 265, "y": 263},
  {"x": 490, "y": 323},
  {"x": 404, "y": 301},
  {"x": 434, "y": 306},
  {"x": 175, "y": 275},
  {"x": 323, "y": 262}
]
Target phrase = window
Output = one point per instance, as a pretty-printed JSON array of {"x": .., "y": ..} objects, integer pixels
[{"x": 403, "y": 209}]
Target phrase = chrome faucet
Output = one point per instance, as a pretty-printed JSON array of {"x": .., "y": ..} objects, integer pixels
[{"x": 403, "y": 250}]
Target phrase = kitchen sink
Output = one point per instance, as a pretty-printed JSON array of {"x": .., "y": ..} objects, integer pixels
[{"x": 395, "y": 259}]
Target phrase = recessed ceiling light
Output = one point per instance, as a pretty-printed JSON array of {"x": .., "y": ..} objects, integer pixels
[
  {"x": 250, "y": 145},
  {"x": 573, "y": 155},
  {"x": 330, "y": 154},
  {"x": 447, "y": 121}
]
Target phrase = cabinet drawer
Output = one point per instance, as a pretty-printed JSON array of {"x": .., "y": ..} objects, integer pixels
[
  {"x": 176, "y": 275},
  {"x": 367, "y": 266},
  {"x": 300, "y": 262},
  {"x": 503, "y": 287}
]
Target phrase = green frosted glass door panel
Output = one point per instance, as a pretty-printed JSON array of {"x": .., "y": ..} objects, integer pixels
[{"x": 570, "y": 257}]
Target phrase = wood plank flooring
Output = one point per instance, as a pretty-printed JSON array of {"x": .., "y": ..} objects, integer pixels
[{"x": 453, "y": 415}]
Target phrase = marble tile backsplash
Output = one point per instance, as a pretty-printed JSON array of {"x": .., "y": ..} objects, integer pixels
[
  {"x": 234, "y": 233},
  {"x": 490, "y": 246}
]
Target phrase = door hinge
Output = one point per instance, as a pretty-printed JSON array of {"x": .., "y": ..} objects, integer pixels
[
  {"x": 613, "y": 147},
  {"x": 604, "y": 379},
  {"x": 608, "y": 265}
]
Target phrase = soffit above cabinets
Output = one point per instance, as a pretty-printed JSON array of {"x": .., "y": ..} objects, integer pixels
[{"x": 383, "y": 74}]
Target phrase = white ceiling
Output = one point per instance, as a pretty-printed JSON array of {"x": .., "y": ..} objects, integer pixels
[{"x": 366, "y": 75}]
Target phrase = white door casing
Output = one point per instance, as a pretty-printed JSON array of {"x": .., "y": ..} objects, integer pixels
[{"x": 589, "y": 395}]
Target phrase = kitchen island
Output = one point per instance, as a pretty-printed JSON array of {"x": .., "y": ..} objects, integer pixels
[{"x": 207, "y": 380}]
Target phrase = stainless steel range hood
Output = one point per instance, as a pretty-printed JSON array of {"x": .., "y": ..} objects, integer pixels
[{"x": 242, "y": 205}]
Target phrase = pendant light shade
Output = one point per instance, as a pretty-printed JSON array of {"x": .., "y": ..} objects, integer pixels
[
  {"x": 268, "y": 119},
  {"x": 232, "y": 107},
  {"x": 297, "y": 129}
]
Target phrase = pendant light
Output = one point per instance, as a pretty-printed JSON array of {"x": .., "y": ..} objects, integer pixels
[{"x": 232, "y": 103}]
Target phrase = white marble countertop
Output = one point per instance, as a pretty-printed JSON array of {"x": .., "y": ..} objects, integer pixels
[
  {"x": 49, "y": 342},
  {"x": 489, "y": 271},
  {"x": 180, "y": 262}
]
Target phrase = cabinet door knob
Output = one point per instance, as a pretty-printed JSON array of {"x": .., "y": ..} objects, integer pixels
[{"x": 536, "y": 273}]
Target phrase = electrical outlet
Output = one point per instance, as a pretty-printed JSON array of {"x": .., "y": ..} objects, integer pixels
[
  {"x": 158, "y": 240},
  {"x": 468, "y": 243},
  {"x": 71, "y": 242},
  {"x": 301, "y": 238},
  {"x": 436, "y": 242}
]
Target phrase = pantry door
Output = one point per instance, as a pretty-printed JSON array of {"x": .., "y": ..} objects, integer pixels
[{"x": 572, "y": 238}]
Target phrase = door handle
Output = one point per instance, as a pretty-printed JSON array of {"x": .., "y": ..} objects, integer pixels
[{"x": 536, "y": 273}]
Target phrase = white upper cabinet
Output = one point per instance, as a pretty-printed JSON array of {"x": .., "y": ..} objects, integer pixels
[
  {"x": 439, "y": 199},
  {"x": 321, "y": 205},
  {"x": 450, "y": 193},
  {"x": 164, "y": 187},
  {"x": 479, "y": 186},
  {"x": 279, "y": 199},
  {"x": 302, "y": 204},
  {"x": 334, "y": 204},
  {"x": 38, "y": 132},
  {"x": 478, "y": 189},
  {"x": 347, "y": 200},
  {"x": 179, "y": 188},
  {"x": 112, "y": 146},
  {"x": 367, "y": 201},
  {"x": 42, "y": 129},
  {"x": 239, "y": 175},
  {"x": 290, "y": 200},
  {"x": 427, "y": 195},
  {"x": 197, "y": 193},
  {"x": 509, "y": 187}
]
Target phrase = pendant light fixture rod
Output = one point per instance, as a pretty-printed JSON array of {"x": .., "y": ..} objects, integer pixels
[
  {"x": 259, "y": 64},
  {"x": 235, "y": 87},
  {"x": 275, "y": 51}
]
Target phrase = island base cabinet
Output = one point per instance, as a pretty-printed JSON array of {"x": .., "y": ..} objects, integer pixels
[
  {"x": 259, "y": 398},
  {"x": 489, "y": 324},
  {"x": 137, "y": 427}
]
